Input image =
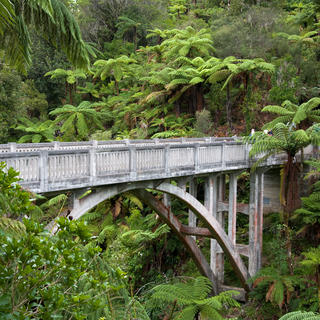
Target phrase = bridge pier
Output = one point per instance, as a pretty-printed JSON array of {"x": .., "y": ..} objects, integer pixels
[
  {"x": 255, "y": 221},
  {"x": 193, "y": 190},
  {"x": 215, "y": 186}
]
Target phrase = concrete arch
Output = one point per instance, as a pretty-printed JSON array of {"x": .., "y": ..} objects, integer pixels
[{"x": 87, "y": 203}]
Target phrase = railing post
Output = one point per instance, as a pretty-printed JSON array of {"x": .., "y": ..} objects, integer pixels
[
  {"x": 196, "y": 157},
  {"x": 133, "y": 162},
  {"x": 94, "y": 144},
  {"x": 92, "y": 164},
  {"x": 56, "y": 145},
  {"x": 223, "y": 153},
  {"x": 43, "y": 169},
  {"x": 13, "y": 147},
  {"x": 166, "y": 159}
]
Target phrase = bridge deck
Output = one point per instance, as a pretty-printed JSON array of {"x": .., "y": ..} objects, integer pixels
[{"x": 46, "y": 167}]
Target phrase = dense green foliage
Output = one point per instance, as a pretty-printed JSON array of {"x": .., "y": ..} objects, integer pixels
[{"x": 156, "y": 69}]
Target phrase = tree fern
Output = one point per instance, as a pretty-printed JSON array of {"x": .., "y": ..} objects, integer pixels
[
  {"x": 36, "y": 131},
  {"x": 190, "y": 298},
  {"x": 75, "y": 119},
  {"x": 189, "y": 43},
  {"x": 285, "y": 139},
  {"x": 290, "y": 112}
]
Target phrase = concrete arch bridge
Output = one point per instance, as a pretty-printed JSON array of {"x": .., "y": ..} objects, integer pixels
[{"x": 109, "y": 168}]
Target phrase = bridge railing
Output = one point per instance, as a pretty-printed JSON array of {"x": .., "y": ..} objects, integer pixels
[
  {"x": 57, "y": 145},
  {"x": 43, "y": 169}
]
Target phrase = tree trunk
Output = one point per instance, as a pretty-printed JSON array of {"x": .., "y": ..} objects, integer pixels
[
  {"x": 318, "y": 284},
  {"x": 177, "y": 108},
  {"x": 116, "y": 87},
  {"x": 135, "y": 38},
  {"x": 194, "y": 99},
  {"x": 290, "y": 198},
  {"x": 228, "y": 107},
  {"x": 200, "y": 99},
  {"x": 70, "y": 93}
]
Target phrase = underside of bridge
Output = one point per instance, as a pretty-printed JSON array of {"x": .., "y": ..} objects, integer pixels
[{"x": 218, "y": 219}]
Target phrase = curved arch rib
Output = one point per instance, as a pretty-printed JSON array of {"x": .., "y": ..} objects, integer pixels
[
  {"x": 173, "y": 222},
  {"x": 216, "y": 230}
]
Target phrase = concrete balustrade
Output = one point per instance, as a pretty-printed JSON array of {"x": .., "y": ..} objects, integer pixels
[{"x": 46, "y": 167}]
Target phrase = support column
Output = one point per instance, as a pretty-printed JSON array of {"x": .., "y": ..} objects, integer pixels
[
  {"x": 260, "y": 217},
  {"x": 216, "y": 186},
  {"x": 192, "y": 221},
  {"x": 232, "y": 213},
  {"x": 211, "y": 203},
  {"x": 222, "y": 221},
  {"x": 255, "y": 221}
]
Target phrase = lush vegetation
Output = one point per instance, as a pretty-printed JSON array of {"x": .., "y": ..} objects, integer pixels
[{"x": 115, "y": 69}]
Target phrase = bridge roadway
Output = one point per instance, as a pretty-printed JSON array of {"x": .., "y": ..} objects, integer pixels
[{"x": 113, "y": 167}]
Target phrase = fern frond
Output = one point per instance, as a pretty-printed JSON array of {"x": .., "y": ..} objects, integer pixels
[
  {"x": 11, "y": 226},
  {"x": 300, "y": 315}
]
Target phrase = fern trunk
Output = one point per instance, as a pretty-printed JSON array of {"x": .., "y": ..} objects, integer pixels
[
  {"x": 318, "y": 284},
  {"x": 116, "y": 87},
  {"x": 228, "y": 107},
  {"x": 135, "y": 38},
  {"x": 290, "y": 200},
  {"x": 200, "y": 99},
  {"x": 177, "y": 108},
  {"x": 194, "y": 99}
]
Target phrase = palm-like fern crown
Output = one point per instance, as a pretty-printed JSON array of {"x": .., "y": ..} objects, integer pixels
[
  {"x": 36, "y": 132},
  {"x": 71, "y": 76},
  {"x": 79, "y": 117},
  {"x": 309, "y": 38},
  {"x": 290, "y": 112},
  {"x": 124, "y": 25},
  {"x": 218, "y": 70},
  {"x": 115, "y": 67},
  {"x": 284, "y": 139},
  {"x": 188, "y": 43}
]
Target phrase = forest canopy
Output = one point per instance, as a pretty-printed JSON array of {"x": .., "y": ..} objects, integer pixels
[{"x": 142, "y": 69}]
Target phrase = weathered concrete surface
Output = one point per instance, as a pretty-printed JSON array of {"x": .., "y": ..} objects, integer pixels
[
  {"x": 176, "y": 226},
  {"x": 201, "y": 212},
  {"x": 271, "y": 199},
  {"x": 62, "y": 166},
  {"x": 111, "y": 168}
]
